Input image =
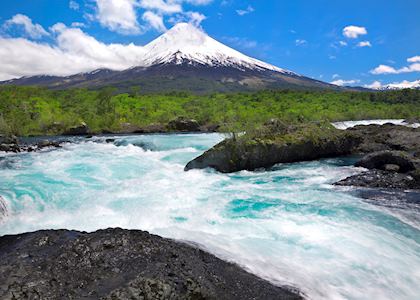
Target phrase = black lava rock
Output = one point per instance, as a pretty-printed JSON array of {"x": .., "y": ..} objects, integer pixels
[
  {"x": 383, "y": 179},
  {"x": 81, "y": 129},
  {"x": 383, "y": 159},
  {"x": 184, "y": 125},
  {"x": 120, "y": 264}
]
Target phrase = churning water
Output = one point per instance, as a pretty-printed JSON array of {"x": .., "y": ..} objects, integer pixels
[{"x": 288, "y": 225}]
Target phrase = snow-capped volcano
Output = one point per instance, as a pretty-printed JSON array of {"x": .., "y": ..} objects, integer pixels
[
  {"x": 185, "y": 58},
  {"x": 185, "y": 43}
]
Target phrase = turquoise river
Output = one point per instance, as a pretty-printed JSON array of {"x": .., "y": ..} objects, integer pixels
[{"x": 289, "y": 225}]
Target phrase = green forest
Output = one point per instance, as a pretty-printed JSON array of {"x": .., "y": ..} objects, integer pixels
[{"x": 39, "y": 111}]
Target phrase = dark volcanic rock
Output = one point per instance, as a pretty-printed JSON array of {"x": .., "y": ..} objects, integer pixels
[
  {"x": 262, "y": 151},
  {"x": 81, "y": 129},
  {"x": 184, "y": 125},
  {"x": 8, "y": 139},
  {"x": 383, "y": 179},
  {"x": 9, "y": 143},
  {"x": 383, "y": 160},
  {"x": 10, "y": 147},
  {"x": 47, "y": 143},
  {"x": 387, "y": 137},
  {"x": 209, "y": 128},
  {"x": 120, "y": 264},
  {"x": 412, "y": 121}
]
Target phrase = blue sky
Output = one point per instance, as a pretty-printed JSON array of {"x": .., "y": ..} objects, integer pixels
[{"x": 355, "y": 43}]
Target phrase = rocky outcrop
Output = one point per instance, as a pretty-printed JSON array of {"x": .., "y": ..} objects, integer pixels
[
  {"x": 388, "y": 169},
  {"x": 184, "y": 125},
  {"x": 120, "y": 264},
  {"x": 81, "y": 129},
  {"x": 387, "y": 137},
  {"x": 9, "y": 143},
  {"x": 396, "y": 161},
  {"x": 269, "y": 147},
  {"x": 383, "y": 179}
]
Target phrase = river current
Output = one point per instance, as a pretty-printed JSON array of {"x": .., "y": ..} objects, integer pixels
[{"x": 289, "y": 224}]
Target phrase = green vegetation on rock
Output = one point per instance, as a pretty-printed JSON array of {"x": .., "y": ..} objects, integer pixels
[
  {"x": 277, "y": 143},
  {"x": 39, "y": 111}
]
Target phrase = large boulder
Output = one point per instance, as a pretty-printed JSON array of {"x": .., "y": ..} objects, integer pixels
[
  {"x": 81, "y": 129},
  {"x": 265, "y": 149},
  {"x": 383, "y": 179},
  {"x": 387, "y": 137},
  {"x": 388, "y": 161},
  {"x": 9, "y": 143},
  {"x": 47, "y": 144},
  {"x": 121, "y": 264},
  {"x": 184, "y": 125},
  {"x": 8, "y": 139}
]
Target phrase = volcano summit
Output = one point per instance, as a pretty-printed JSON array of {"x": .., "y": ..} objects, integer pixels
[{"x": 185, "y": 58}]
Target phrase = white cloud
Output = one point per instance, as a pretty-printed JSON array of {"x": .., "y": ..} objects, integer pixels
[
  {"x": 74, "y": 5},
  {"x": 353, "y": 32},
  {"x": 74, "y": 51},
  {"x": 405, "y": 84},
  {"x": 191, "y": 17},
  {"x": 118, "y": 15},
  {"x": 78, "y": 24},
  {"x": 246, "y": 11},
  {"x": 384, "y": 69},
  {"x": 121, "y": 15},
  {"x": 364, "y": 44},
  {"x": 164, "y": 7},
  {"x": 35, "y": 31},
  {"x": 195, "y": 18},
  {"x": 342, "y": 43},
  {"x": 414, "y": 59},
  {"x": 335, "y": 76},
  {"x": 341, "y": 82},
  {"x": 299, "y": 42},
  {"x": 413, "y": 67},
  {"x": 197, "y": 2},
  {"x": 376, "y": 85},
  {"x": 154, "y": 20}
]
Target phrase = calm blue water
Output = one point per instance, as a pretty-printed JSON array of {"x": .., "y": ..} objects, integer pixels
[{"x": 289, "y": 225}]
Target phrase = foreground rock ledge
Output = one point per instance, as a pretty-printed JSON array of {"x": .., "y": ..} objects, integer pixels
[{"x": 120, "y": 264}]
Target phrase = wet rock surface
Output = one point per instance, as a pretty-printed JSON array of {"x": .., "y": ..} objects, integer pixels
[
  {"x": 387, "y": 137},
  {"x": 387, "y": 169},
  {"x": 382, "y": 179},
  {"x": 397, "y": 161},
  {"x": 184, "y": 125},
  {"x": 81, "y": 129},
  {"x": 279, "y": 145},
  {"x": 120, "y": 264},
  {"x": 17, "y": 146}
]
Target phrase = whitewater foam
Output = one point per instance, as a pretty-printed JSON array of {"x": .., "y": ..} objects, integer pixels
[
  {"x": 289, "y": 225},
  {"x": 348, "y": 124}
]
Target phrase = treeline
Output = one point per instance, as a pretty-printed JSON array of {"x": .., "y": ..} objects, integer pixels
[{"x": 35, "y": 110}]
